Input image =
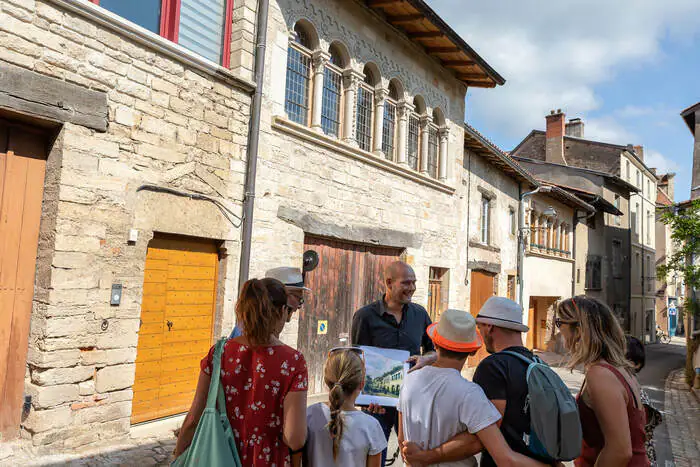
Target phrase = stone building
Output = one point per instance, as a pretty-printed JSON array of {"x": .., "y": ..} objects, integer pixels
[
  {"x": 360, "y": 157},
  {"x": 549, "y": 268},
  {"x": 564, "y": 144},
  {"x": 691, "y": 117},
  {"x": 601, "y": 243},
  {"x": 669, "y": 290},
  {"x": 125, "y": 135}
]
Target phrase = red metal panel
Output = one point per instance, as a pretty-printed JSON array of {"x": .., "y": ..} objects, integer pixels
[{"x": 226, "y": 59}]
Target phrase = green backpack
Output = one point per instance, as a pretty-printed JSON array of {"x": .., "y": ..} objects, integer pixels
[{"x": 213, "y": 444}]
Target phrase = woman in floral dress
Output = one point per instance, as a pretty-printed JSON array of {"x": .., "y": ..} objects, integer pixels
[{"x": 265, "y": 382}]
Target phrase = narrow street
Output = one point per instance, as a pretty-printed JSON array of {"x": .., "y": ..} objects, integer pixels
[{"x": 661, "y": 360}]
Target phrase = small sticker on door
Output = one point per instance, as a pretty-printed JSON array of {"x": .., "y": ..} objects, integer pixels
[{"x": 322, "y": 326}]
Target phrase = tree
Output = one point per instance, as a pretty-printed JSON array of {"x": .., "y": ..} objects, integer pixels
[{"x": 684, "y": 221}]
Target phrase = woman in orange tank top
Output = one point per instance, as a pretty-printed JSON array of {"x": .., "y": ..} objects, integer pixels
[{"x": 612, "y": 415}]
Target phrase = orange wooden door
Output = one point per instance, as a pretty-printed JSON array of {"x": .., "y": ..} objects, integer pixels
[
  {"x": 531, "y": 321},
  {"x": 177, "y": 313},
  {"x": 22, "y": 169},
  {"x": 482, "y": 287}
]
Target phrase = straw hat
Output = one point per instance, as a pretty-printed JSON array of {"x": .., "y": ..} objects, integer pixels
[{"x": 455, "y": 331}]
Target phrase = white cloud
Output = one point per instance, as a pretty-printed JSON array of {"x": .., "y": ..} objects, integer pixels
[
  {"x": 553, "y": 54},
  {"x": 661, "y": 163}
]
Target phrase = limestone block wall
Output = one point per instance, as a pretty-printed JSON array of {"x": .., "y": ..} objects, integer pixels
[{"x": 170, "y": 125}]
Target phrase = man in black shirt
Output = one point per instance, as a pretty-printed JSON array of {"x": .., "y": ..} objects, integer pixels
[
  {"x": 503, "y": 376},
  {"x": 394, "y": 322}
]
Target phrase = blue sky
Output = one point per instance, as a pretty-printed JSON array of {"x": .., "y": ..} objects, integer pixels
[{"x": 627, "y": 68}]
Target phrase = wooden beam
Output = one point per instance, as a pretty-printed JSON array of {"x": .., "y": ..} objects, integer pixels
[
  {"x": 41, "y": 96},
  {"x": 379, "y": 3},
  {"x": 457, "y": 62},
  {"x": 442, "y": 50},
  {"x": 399, "y": 19},
  {"x": 425, "y": 34},
  {"x": 472, "y": 76}
]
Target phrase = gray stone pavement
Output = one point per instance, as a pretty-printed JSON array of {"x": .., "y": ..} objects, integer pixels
[{"x": 151, "y": 444}]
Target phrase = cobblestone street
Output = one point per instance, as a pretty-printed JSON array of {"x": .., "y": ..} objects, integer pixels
[{"x": 682, "y": 419}]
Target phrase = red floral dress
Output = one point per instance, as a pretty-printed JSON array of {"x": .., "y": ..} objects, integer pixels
[{"x": 256, "y": 381}]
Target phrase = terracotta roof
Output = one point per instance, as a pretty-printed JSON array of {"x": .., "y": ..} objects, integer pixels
[
  {"x": 481, "y": 145},
  {"x": 662, "y": 198},
  {"x": 424, "y": 27}
]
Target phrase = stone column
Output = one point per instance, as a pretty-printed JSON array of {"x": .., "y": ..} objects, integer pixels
[
  {"x": 443, "y": 135},
  {"x": 403, "y": 109},
  {"x": 424, "y": 125},
  {"x": 320, "y": 59},
  {"x": 351, "y": 79},
  {"x": 379, "y": 96}
]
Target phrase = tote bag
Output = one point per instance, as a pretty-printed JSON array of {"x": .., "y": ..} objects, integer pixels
[{"x": 213, "y": 444}]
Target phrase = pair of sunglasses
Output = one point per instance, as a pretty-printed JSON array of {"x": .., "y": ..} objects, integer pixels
[
  {"x": 558, "y": 322},
  {"x": 356, "y": 350}
]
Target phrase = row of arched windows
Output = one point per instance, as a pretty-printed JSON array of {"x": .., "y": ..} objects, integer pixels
[{"x": 324, "y": 92}]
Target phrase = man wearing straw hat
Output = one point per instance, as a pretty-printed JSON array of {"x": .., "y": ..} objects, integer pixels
[
  {"x": 503, "y": 376},
  {"x": 437, "y": 403}
]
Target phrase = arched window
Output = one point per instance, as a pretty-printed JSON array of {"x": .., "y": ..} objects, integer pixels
[
  {"x": 389, "y": 125},
  {"x": 296, "y": 102},
  {"x": 333, "y": 90},
  {"x": 365, "y": 107},
  {"x": 413, "y": 149}
]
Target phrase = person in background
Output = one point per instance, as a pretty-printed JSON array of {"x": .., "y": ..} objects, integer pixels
[
  {"x": 394, "y": 322},
  {"x": 265, "y": 381},
  {"x": 340, "y": 435},
  {"x": 610, "y": 407},
  {"x": 637, "y": 355},
  {"x": 293, "y": 282},
  {"x": 437, "y": 403}
]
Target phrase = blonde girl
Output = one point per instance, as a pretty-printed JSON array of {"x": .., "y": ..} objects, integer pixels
[
  {"x": 611, "y": 412},
  {"x": 340, "y": 435}
]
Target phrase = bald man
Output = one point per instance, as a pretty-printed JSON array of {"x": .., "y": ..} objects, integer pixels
[{"x": 394, "y": 322}]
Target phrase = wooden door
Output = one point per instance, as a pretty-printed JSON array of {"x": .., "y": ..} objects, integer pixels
[
  {"x": 22, "y": 169},
  {"x": 531, "y": 323},
  {"x": 482, "y": 286},
  {"x": 438, "y": 292},
  {"x": 177, "y": 313},
  {"x": 348, "y": 277}
]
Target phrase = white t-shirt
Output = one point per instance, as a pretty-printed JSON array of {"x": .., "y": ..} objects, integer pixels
[
  {"x": 437, "y": 403},
  {"x": 362, "y": 437}
]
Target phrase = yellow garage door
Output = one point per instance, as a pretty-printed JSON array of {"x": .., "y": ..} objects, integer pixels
[{"x": 179, "y": 299}]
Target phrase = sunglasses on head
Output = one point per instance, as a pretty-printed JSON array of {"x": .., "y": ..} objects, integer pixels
[{"x": 356, "y": 350}]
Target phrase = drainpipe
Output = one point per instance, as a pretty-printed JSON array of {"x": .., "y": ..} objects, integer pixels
[
  {"x": 521, "y": 239},
  {"x": 253, "y": 139},
  {"x": 573, "y": 254}
]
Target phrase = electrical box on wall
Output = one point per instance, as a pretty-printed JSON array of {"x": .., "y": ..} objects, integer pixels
[{"x": 116, "y": 296}]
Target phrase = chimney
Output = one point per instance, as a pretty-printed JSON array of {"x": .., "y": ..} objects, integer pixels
[
  {"x": 640, "y": 152},
  {"x": 554, "y": 149},
  {"x": 575, "y": 128}
]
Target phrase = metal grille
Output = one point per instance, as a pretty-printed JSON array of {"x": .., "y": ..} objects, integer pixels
[
  {"x": 388, "y": 129},
  {"x": 413, "y": 140},
  {"x": 296, "y": 101},
  {"x": 364, "y": 118},
  {"x": 330, "y": 109},
  {"x": 432, "y": 151}
]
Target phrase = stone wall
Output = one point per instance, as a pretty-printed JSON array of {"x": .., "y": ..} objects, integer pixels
[
  {"x": 500, "y": 255},
  {"x": 170, "y": 125}
]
